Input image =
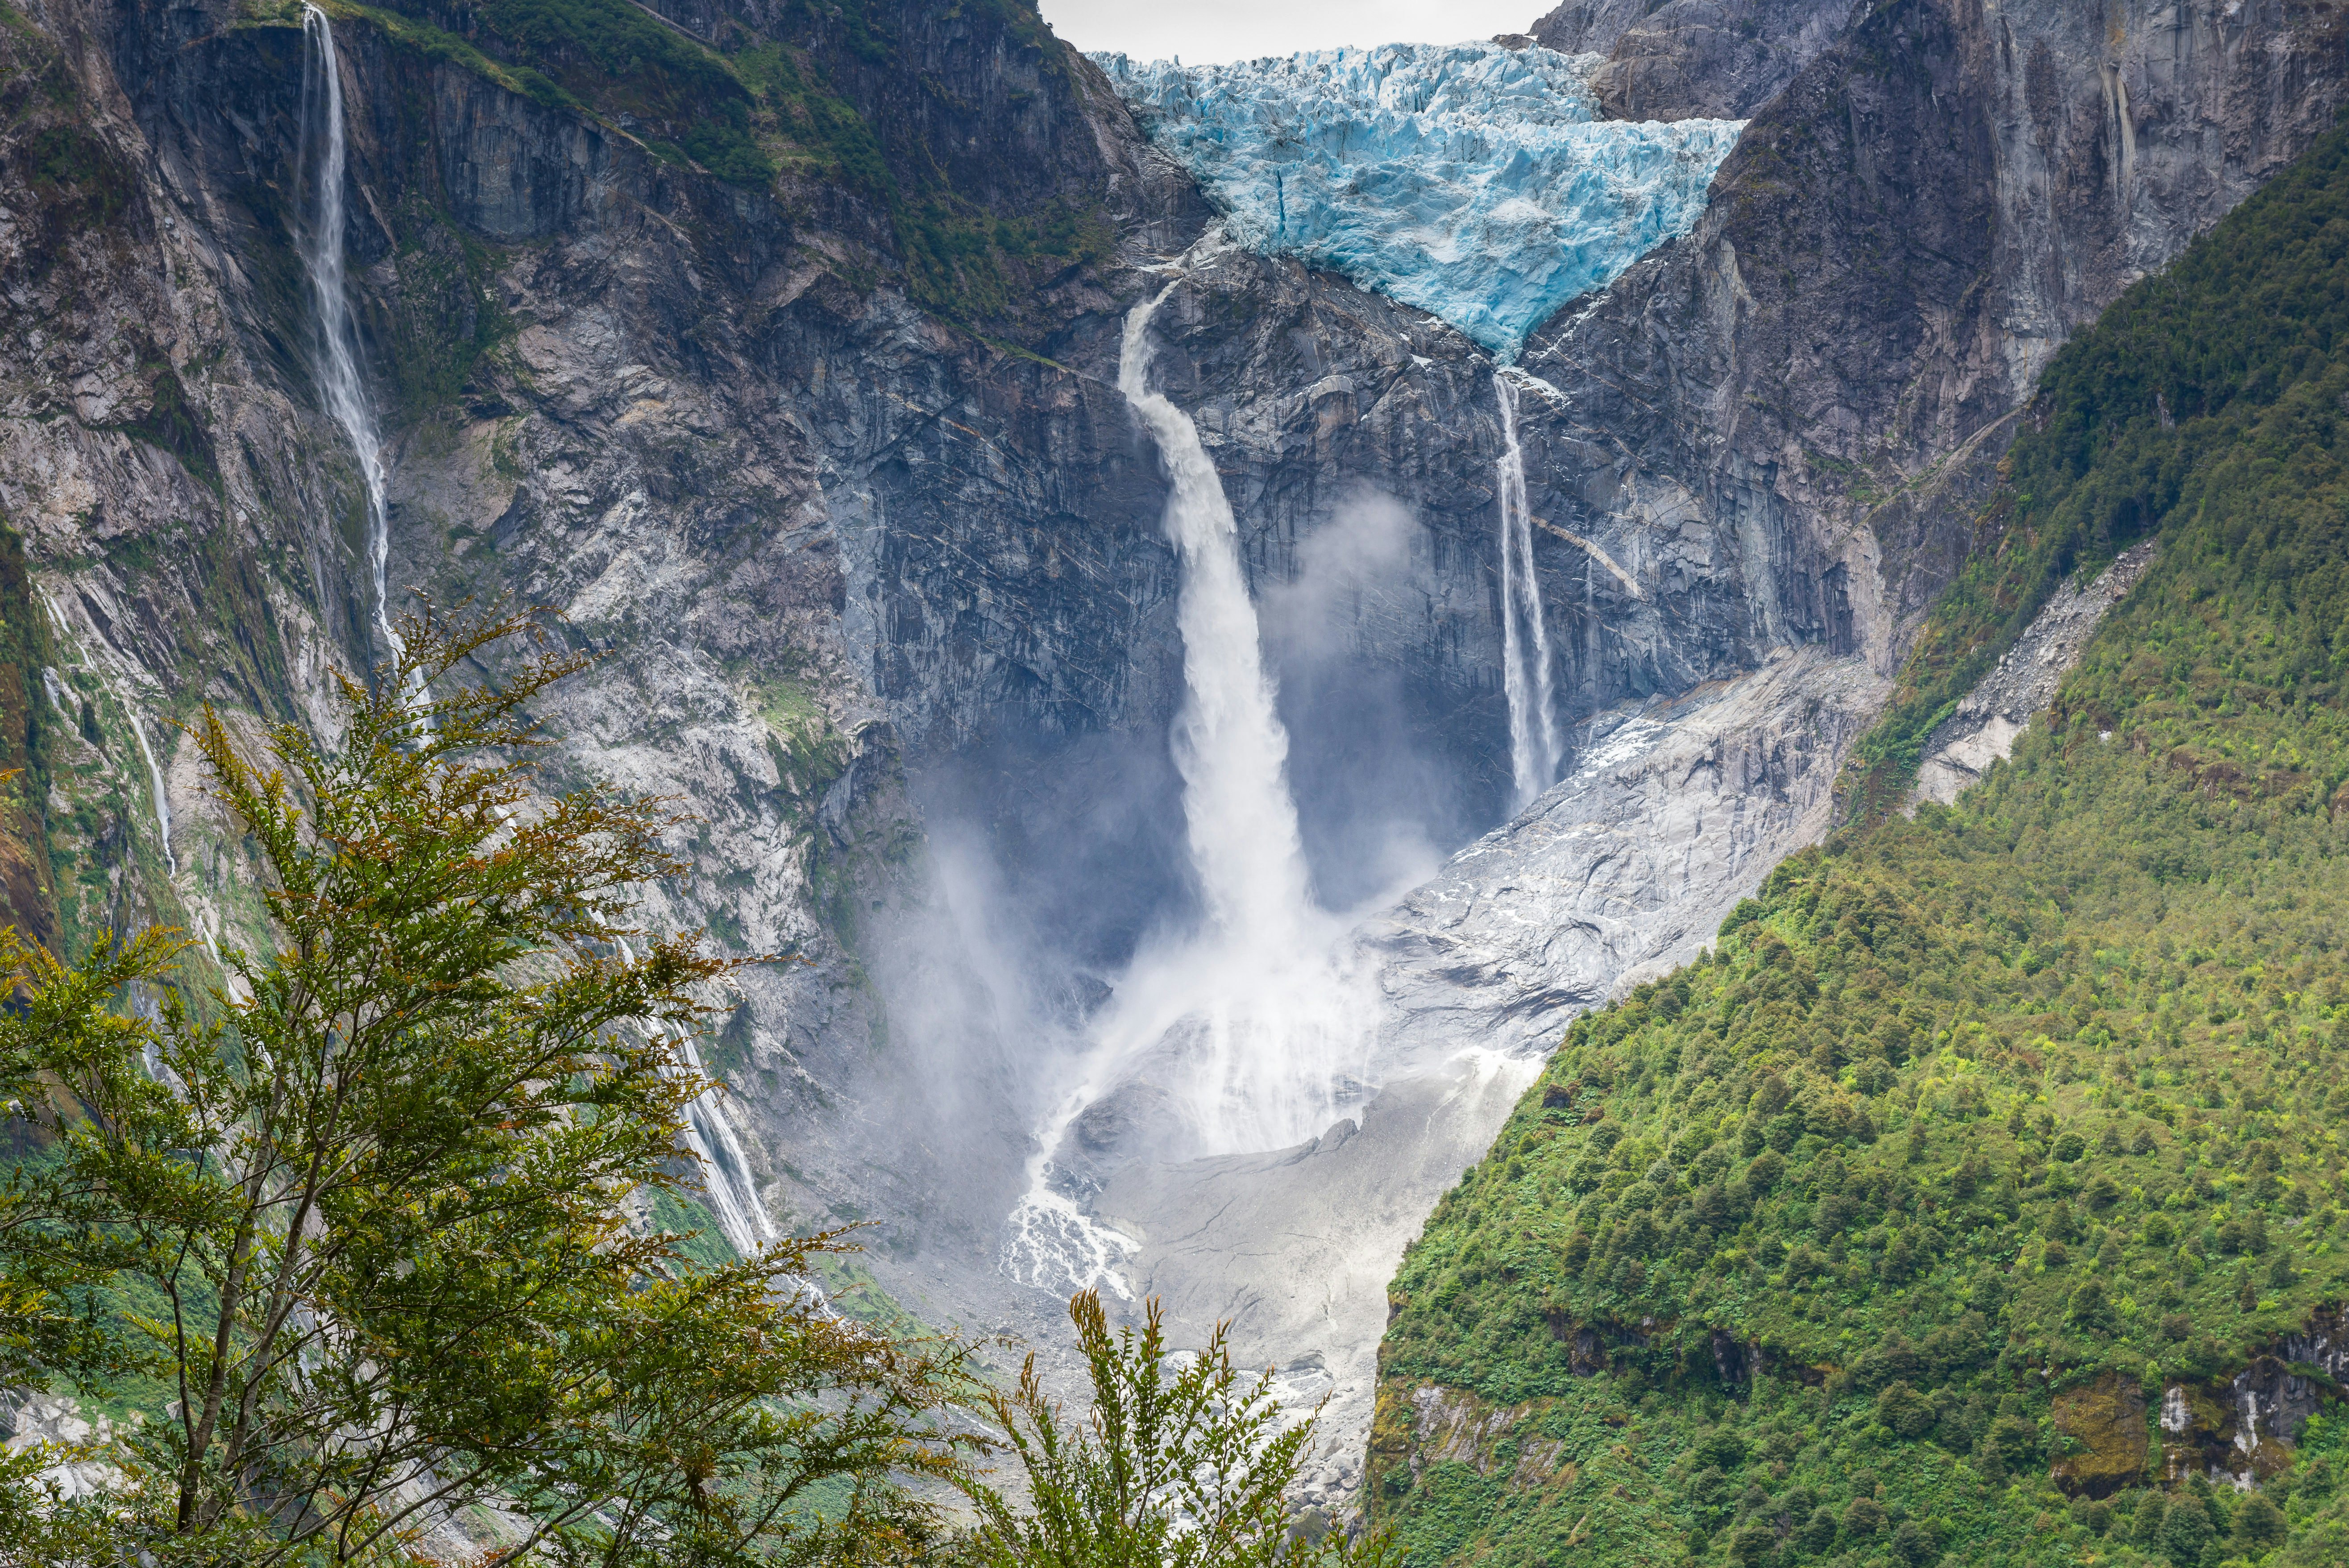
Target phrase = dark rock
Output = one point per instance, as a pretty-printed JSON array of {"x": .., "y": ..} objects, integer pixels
[{"x": 1683, "y": 59}]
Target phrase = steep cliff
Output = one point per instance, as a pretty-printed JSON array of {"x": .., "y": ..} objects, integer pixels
[
  {"x": 806, "y": 430},
  {"x": 1772, "y": 434},
  {"x": 1777, "y": 431},
  {"x": 1686, "y": 58}
]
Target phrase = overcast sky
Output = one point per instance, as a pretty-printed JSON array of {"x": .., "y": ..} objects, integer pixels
[{"x": 1207, "y": 32}]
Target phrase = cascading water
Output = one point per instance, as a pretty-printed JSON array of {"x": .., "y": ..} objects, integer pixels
[
  {"x": 155, "y": 785},
  {"x": 1477, "y": 181},
  {"x": 1525, "y": 631},
  {"x": 334, "y": 360},
  {"x": 1253, "y": 1023},
  {"x": 724, "y": 1171},
  {"x": 324, "y": 163},
  {"x": 1229, "y": 744}
]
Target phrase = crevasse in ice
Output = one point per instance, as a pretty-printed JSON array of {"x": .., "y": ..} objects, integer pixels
[{"x": 1472, "y": 181}]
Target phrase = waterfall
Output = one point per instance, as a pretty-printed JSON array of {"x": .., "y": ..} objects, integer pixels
[
  {"x": 1230, "y": 745},
  {"x": 1254, "y": 1023},
  {"x": 155, "y": 783},
  {"x": 334, "y": 360},
  {"x": 1524, "y": 673},
  {"x": 1265, "y": 1027},
  {"x": 724, "y": 1171}
]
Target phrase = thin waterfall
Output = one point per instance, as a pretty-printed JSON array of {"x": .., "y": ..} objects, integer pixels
[
  {"x": 726, "y": 1171},
  {"x": 319, "y": 237},
  {"x": 1524, "y": 671},
  {"x": 155, "y": 784}
]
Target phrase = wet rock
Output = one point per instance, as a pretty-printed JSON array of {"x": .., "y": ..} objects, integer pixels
[{"x": 2242, "y": 1429}]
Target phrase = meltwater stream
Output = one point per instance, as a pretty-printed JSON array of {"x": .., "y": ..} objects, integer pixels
[
  {"x": 1252, "y": 1023},
  {"x": 334, "y": 361},
  {"x": 1534, "y": 745}
]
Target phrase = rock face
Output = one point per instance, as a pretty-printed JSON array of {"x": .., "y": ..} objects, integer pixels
[
  {"x": 2242, "y": 1429},
  {"x": 1675, "y": 810},
  {"x": 830, "y": 469},
  {"x": 1690, "y": 58},
  {"x": 2105, "y": 1423},
  {"x": 1818, "y": 375},
  {"x": 29, "y": 1419}
]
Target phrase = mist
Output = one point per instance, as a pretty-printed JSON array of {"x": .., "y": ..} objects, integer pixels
[
  {"x": 1378, "y": 803},
  {"x": 1075, "y": 1006}
]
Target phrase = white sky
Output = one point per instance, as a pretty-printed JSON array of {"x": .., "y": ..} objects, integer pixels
[{"x": 1211, "y": 32}]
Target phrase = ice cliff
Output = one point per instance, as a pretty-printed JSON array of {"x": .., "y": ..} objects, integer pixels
[{"x": 1472, "y": 181}]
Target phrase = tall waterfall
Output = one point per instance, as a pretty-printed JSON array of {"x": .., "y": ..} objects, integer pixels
[
  {"x": 1230, "y": 745},
  {"x": 733, "y": 1202},
  {"x": 334, "y": 358},
  {"x": 1254, "y": 1023},
  {"x": 1524, "y": 634},
  {"x": 155, "y": 785}
]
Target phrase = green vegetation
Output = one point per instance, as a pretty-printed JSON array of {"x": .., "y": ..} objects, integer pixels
[
  {"x": 963, "y": 261},
  {"x": 1182, "y": 1463},
  {"x": 1883, "y": 1234},
  {"x": 366, "y": 1216},
  {"x": 681, "y": 97},
  {"x": 29, "y": 899},
  {"x": 444, "y": 316},
  {"x": 174, "y": 423}
]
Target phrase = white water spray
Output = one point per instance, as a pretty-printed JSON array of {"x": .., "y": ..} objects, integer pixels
[
  {"x": 334, "y": 361},
  {"x": 1229, "y": 744},
  {"x": 1254, "y": 1024},
  {"x": 1524, "y": 670}
]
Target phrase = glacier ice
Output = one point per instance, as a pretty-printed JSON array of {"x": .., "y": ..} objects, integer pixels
[{"x": 1472, "y": 181}]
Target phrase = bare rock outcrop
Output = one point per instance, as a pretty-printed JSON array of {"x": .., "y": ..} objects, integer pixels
[
  {"x": 1688, "y": 59},
  {"x": 1992, "y": 716}
]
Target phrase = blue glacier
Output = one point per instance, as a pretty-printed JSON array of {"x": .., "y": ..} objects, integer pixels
[{"x": 1472, "y": 181}]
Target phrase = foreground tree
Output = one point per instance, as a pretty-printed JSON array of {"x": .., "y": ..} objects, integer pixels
[
  {"x": 367, "y": 1206},
  {"x": 1180, "y": 1466}
]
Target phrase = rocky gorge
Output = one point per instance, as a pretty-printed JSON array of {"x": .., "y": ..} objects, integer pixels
[{"x": 809, "y": 427}]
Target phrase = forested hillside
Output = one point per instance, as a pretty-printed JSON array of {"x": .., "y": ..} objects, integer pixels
[{"x": 1979, "y": 1197}]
